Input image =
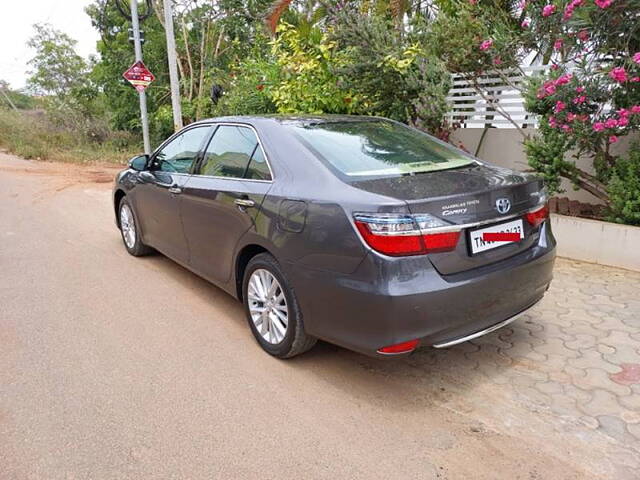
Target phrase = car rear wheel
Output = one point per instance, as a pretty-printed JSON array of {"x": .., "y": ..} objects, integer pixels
[
  {"x": 129, "y": 230},
  {"x": 272, "y": 309}
]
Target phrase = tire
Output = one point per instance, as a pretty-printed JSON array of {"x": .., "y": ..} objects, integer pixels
[
  {"x": 267, "y": 327},
  {"x": 131, "y": 238}
]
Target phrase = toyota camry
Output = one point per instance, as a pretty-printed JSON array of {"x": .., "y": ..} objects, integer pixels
[{"x": 359, "y": 231}]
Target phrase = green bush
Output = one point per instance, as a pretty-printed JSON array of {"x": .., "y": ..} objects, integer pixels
[
  {"x": 32, "y": 135},
  {"x": 624, "y": 189}
]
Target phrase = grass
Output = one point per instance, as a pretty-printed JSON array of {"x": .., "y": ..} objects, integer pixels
[{"x": 31, "y": 135}]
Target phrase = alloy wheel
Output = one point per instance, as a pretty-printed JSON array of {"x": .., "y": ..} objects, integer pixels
[
  {"x": 267, "y": 306},
  {"x": 128, "y": 226}
]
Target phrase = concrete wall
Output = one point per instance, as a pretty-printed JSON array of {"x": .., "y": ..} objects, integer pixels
[
  {"x": 597, "y": 242},
  {"x": 503, "y": 147}
]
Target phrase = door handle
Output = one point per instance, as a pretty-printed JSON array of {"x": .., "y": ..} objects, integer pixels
[
  {"x": 175, "y": 190},
  {"x": 244, "y": 202}
]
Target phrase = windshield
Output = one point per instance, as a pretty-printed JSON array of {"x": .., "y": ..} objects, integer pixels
[{"x": 371, "y": 148}]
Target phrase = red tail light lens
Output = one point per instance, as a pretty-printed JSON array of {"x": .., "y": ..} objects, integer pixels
[
  {"x": 404, "y": 347},
  {"x": 391, "y": 244},
  {"x": 440, "y": 242},
  {"x": 536, "y": 217},
  {"x": 400, "y": 235}
]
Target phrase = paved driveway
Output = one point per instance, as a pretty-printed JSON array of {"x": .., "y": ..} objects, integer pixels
[{"x": 116, "y": 367}]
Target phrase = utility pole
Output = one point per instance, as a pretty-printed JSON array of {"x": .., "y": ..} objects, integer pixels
[
  {"x": 135, "y": 25},
  {"x": 173, "y": 66},
  {"x": 4, "y": 94}
]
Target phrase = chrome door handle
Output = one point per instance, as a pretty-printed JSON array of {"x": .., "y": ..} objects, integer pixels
[
  {"x": 244, "y": 202},
  {"x": 175, "y": 190}
]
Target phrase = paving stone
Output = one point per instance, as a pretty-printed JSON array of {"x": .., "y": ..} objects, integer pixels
[
  {"x": 574, "y": 358},
  {"x": 597, "y": 378},
  {"x": 593, "y": 359},
  {"x": 623, "y": 354},
  {"x": 603, "y": 403},
  {"x": 615, "y": 427},
  {"x": 632, "y": 402}
]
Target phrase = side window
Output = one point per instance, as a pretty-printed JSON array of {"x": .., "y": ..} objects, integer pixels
[
  {"x": 179, "y": 154},
  {"x": 229, "y": 152},
  {"x": 258, "y": 168}
]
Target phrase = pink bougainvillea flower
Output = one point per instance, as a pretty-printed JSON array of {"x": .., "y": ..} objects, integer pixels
[
  {"x": 583, "y": 35},
  {"x": 549, "y": 88},
  {"x": 497, "y": 61},
  {"x": 623, "y": 122},
  {"x": 523, "y": 4},
  {"x": 635, "y": 109},
  {"x": 619, "y": 74},
  {"x": 598, "y": 126},
  {"x": 613, "y": 139},
  {"x": 603, "y": 3},
  {"x": 557, "y": 45},
  {"x": 571, "y": 116},
  {"x": 549, "y": 10},
  {"x": 635, "y": 79},
  {"x": 553, "y": 123},
  {"x": 611, "y": 123},
  {"x": 568, "y": 11},
  {"x": 555, "y": 66},
  {"x": 564, "y": 79},
  {"x": 623, "y": 112},
  {"x": 525, "y": 23},
  {"x": 486, "y": 45},
  {"x": 560, "y": 106},
  {"x": 636, "y": 57},
  {"x": 580, "y": 99},
  {"x": 579, "y": 89},
  {"x": 566, "y": 128}
]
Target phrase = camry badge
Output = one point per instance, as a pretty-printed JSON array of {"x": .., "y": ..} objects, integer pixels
[{"x": 503, "y": 205}]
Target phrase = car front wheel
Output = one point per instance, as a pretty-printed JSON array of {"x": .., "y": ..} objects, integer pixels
[
  {"x": 272, "y": 309},
  {"x": 130, "y": 231}
]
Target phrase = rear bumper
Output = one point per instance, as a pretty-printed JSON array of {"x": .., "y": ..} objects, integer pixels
[
  {"x": 480, "y": 333},
  {"x": 392, "y": 300}
]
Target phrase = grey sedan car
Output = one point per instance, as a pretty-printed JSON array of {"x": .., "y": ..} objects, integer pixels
[{"x": 359, "y": 231}]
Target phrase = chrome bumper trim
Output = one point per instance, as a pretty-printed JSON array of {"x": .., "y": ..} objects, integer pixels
[{"x": 485, "y": 331}]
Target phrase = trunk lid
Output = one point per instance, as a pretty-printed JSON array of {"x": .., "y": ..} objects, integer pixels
[{"x": 463, "y": 196}]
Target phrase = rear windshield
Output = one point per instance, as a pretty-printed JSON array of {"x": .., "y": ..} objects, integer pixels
[{"x": 372, "y": 148}]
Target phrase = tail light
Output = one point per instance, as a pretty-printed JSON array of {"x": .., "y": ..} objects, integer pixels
[
  {"x": 400, "y": 235},
  {"x": 538, "y": 216}
]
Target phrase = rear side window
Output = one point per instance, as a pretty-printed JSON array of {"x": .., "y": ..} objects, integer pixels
[
  {"x": 377, "y": 148},
  {"x": 234, "y": 152},
  {"x": 258, "y": 168}
]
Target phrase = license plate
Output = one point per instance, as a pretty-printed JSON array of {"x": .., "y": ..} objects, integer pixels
[{"x": 479, "y": 244}]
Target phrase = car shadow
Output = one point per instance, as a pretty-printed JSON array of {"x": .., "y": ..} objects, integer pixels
[{"x": 427, "y": 376}]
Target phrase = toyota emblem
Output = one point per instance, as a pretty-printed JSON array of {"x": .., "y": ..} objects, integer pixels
[{"x": 503, "y": 205}]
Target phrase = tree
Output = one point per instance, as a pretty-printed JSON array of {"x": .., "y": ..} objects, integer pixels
[
  {"x": 56, "y": 68},
  {"x": 590, "y": 98}
]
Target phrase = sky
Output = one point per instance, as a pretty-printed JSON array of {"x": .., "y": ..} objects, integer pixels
[{"x": 16, "y": 26}]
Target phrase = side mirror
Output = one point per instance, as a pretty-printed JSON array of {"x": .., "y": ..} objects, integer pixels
[{"x": 139, "y": 163}]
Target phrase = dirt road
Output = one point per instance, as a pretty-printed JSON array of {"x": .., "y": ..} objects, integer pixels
[{"x": 117, "y": 367}]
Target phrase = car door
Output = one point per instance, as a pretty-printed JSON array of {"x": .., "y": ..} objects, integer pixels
[
  {"x": 221, "y": 199},
  {"x": 157, "y": 196}
]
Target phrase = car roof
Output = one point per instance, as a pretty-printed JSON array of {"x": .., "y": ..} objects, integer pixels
[{"x": 291, "y": 119}]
